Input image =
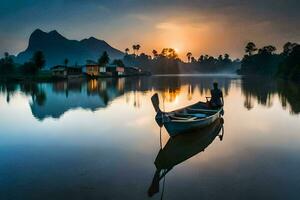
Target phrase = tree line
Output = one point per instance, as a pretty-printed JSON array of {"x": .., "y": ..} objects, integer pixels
[
  {"x": 9, "y": 68},
  {"x": 265, "y": 61},
  {"x": 168, "y": 61},
  {"x": 161, "y": 63}
]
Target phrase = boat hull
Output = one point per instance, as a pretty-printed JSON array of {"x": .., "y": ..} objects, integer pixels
[
  {"x": 175, "y": 127},
  {"x": 182, "y": 120}
]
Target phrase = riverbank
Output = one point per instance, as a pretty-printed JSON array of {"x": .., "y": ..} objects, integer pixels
[
  {"x": 42, "y": 76},
  {"x": 46, "y": 76}
]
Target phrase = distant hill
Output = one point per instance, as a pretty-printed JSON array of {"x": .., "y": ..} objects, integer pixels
[{"x": 56, "y": 48}]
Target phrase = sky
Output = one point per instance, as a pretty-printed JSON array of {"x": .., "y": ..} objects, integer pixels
[{"x": 199, "y": 26}]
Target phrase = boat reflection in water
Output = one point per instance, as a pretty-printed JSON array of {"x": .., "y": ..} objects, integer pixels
[{"x": 182, "y": 147}]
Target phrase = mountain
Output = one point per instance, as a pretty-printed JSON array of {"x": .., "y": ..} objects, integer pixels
[{"x": 56, "y": 48}]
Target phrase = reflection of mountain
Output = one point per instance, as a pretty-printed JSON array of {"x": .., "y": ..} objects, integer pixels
[
  {"x": 57, "y": 104},
  {"x": 94, "y": 94},
  {"x": 181, "y": 148},
  {"x": 54, "y": 99},
  {"x": 65, "y": 96}
]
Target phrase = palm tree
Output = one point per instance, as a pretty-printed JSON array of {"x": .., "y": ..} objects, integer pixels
[
  {"x": 39, "y": 59},
  {"x": 189, "y": 55},
  {"x": 66, "y": 61},
  {"x": 127, "y": 51},
  {"x": 134, "y": 48},
  {"x": 138, "y": 47},
  {"x": 154, "y": 52},
  {"x": 250, "y": 48}
]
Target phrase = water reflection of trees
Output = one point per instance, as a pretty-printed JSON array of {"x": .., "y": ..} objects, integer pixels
[
  {"x": 169, "y": 87},
  {"x": 263, "y": 90},
  {"x": 54, "y": 99},
  {"x": 28, "y": 88},
  {"x": 289, "y": 93},
  {"x": 9, "y": 89}
]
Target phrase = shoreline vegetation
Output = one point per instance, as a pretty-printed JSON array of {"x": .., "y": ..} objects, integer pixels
[
  {"x": 256, "y": 91},
  {"x": 256, "y": 62},
  {"x": 166, "y": 62},
  {"x": 265, "y": 62},
  {"x": 52, "y": 52},
  {"x": 33, "y": 70}
]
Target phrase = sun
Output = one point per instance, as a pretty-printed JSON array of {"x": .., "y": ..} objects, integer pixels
[{"x": 176, "y": 49}]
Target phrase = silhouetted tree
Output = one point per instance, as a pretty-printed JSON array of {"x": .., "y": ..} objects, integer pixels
[
  {"x": 39, "y": 60},
  {"x": 250, "y": 48},
  {"x": 144, "y": 56},
  {"x": 220, "y": 58},
  {"x": 226, "y": 59},
  {"x": 155, "y": 54},
  {"x": 7, "y": 65},
  {"x": 189, "y": 55},
  {"x": 104, "y": 59},
  {"x": 137, "y": 47},
  {"x": 127, "y": 51},
  {"x": 226, "y": 56},
  {"x": 29, "y": 68},
  {"x": 169, "y": 53},
  {"x": 288, "y": 47},
  {"x": 193, "y": 60},
  {"x": 118, "y": 62},
  {"x": 265, "y": 63},
  {"x": 201, "y": 58},
  {"x": 290, "y": 67},
  {"x": 267, "y": 50}
]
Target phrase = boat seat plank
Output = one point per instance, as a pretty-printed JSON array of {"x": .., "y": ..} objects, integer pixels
[{"x": 202, "y": 110}]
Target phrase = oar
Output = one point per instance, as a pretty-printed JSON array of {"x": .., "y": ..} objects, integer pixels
[
  {"x": 222, "y": 128},
  {"x": 155, "y": 102},
  {"x": 160, "y": 115},
  {"x": 222, "y": 136}
]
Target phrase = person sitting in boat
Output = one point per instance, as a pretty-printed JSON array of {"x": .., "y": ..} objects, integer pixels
[{"x": 216, "y": 100}]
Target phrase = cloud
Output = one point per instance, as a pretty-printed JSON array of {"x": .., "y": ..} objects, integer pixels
[
  {"x": 166, "y": 25},
  {"x": 228, "y": 24}
]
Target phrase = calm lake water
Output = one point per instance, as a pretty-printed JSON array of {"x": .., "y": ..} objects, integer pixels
[{"x": 99, "y": 140}]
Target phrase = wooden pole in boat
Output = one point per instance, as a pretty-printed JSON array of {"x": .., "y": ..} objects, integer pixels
[{"x": 160, "y": 137}]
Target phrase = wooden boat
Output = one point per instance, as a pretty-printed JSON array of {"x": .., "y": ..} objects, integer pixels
[
  {"x": 195, "y": 116},
  {"x": 183, "y": 147}
]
